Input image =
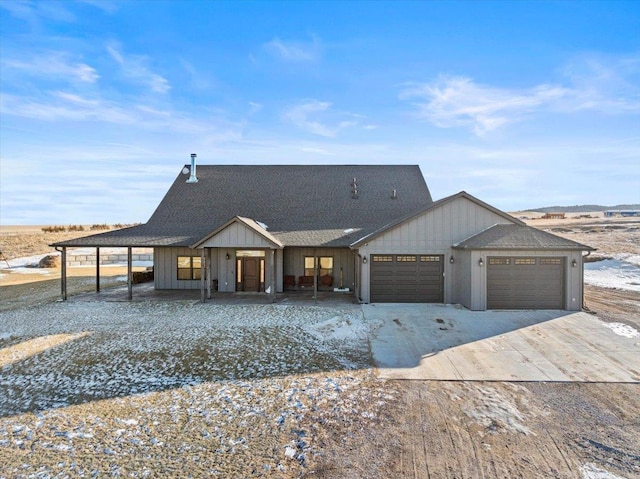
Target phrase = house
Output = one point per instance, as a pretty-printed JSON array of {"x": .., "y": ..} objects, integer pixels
[
  {"x": 371, "y": 230},
  {"x": 553, "y": 216}
]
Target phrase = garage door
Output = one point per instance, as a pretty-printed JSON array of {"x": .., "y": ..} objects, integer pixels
[
  {"x": 406, "y": 278},
  {"x": 525, "y": 283}
]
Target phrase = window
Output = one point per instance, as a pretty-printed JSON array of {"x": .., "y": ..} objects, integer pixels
[
  {"x": 325, "y": 266},
  {"x": 550, "y": 261},
  {"x": 502, "y": 261},
  {"x": 378, "y": 258},
  {"x": 189, "y": 267},
  {"x": 524, "y": 261},
  {"x": 430, "y": 259},
  {"x": 405, "y": 259}
]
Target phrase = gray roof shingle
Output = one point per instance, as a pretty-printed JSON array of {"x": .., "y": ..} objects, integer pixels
[
  {"x": 302, "y": 205},
  {"x": 518, "y": 237}
]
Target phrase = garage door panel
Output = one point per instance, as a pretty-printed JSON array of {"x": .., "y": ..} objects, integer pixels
[
  {"x": 525, "y": 283},
  {"x": 407, "y": 278}
]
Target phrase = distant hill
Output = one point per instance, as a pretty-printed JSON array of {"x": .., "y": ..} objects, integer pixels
[{"x": 583, "y": 208}]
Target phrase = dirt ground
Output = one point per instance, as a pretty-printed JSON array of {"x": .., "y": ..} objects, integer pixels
[{"x": 461, "y": 429}]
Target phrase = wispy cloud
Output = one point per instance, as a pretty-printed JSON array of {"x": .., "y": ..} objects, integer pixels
[
  {"x": 460, "y": 102},
  {"x": 135, "y": 68},
  {"x": 319, "y": 118},
  {"x": 457, "y": 101},
  {"x": 32, "y": 11},
  {"x": 294, "y": 51},
  {"x": 58, "y": 65}
]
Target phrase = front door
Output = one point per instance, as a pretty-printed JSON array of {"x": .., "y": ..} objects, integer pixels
[{"x": 251, "y": 277}]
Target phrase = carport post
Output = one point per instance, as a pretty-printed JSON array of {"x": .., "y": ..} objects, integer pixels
[
  {"x": 63, "y": 273},
  {"x": 129, "y": 274},
  {"x": 97, "y": 269},
  {"x": 315, "y": 274}
]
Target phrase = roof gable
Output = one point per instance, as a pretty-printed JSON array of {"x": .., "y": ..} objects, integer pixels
[
  {"x": 239, "y": 232},
  {"x": 431, "y": 207}
]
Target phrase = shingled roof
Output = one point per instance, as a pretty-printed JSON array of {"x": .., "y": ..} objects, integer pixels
[
  {"x": 518, "y": 237},
  {"x": 302, "y": 205}
]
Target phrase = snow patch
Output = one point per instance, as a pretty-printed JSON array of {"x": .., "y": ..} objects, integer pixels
[
  {"x": 622, "y": 271},
  {"x": 622, "y": 329},
  {"x": 591, "y": 471}
]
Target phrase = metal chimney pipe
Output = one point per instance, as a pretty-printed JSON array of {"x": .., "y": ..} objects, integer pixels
[{"x": 192, "y": 177}]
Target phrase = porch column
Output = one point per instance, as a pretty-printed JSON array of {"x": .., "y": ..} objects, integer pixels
[
  {"x": 63, "y": 274},
  {"x": 129, "y": 274},
  {"x": 97, "y": 269},
  {"x": 272, "y": 268},
  {"x": 203, "y": 279},
  {"x": 315, "y": 274},
  {"x": 208, "y": 256}
]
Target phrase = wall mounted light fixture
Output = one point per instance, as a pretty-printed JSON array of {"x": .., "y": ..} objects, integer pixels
[
  {"x": 451, "y": 260},
  {"x": 574, "y": 263},
  {"x": 227, "y": 256},
  {"x": 364, "y": 259},
  {"x": 480, "y": 262}
]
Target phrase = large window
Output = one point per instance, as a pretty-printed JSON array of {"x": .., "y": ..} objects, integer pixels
[
  {"x": 189, "y": 267},
  {"x": 325, "y": 266}
]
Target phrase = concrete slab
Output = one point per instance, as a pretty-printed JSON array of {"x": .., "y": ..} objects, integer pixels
[{"x": 444, "y": 342}]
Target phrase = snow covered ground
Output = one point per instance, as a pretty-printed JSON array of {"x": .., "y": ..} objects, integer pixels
[
  {"x": 116, "y": 382},
  {"x": 622, "y": 272}
]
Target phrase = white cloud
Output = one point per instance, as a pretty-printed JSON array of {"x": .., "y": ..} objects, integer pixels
[
  {"x": 135, "y": 68},
  {"x": 592, "y": 84},
  {"x": 254, "y": 108},
  {"x": 54, "y": 65},
  {"x": 458, "y": 101},
  {"x": 293, "y": 51},
  {"x": 319, "y": 118}
]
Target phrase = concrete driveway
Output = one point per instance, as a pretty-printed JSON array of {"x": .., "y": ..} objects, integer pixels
[{"x": 444, "y": 342}]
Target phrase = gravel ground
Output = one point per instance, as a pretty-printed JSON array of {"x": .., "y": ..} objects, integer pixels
[{"x": 181, "y": 389}]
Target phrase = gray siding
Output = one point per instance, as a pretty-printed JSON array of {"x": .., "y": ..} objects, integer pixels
[
  {"x": 433, "y": 232},
  {"x": 165, "y": 268},
  {"x": 237, "y": 235}
]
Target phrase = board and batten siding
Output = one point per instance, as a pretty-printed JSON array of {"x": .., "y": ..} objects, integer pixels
[
  {"x": 237, "y": 235},
  {"x": 433, "y": 232},
  {"x": 342, "y": 258},
  {"x": 165, "y": 268},
  {"x": 573, "y": 276}
]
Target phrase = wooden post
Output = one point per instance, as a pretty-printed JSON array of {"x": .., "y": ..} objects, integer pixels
[
  {"x": 63, "y": 274},
  {"x": 97, "y": 269},
  {"x": 202, "y": 275},
  {"x": 129, "y": 274},
  {"x": 208, "y": 273},
  {"x": 315, "y": 274}
]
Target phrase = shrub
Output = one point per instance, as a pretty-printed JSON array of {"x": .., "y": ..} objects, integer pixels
[
  {"x": 75, "y": 228},
  {"x": 54, "y": 229},
  {"x": 100, "y": 227}
]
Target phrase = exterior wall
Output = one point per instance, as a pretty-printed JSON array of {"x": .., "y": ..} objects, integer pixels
[
  {"x": 165, "y": 268},
  {"x": 342, "y": 258},
  {"x": 573, "y": 281},
  {"x": 462, "y": 273},
  {"x": 237, "y": 235},
  {"x": 433, "y": 232}
]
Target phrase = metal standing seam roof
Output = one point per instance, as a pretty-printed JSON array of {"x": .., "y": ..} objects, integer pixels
[
  {"x": 518, "y": 237},
  {"x": 302, "y": 205}
]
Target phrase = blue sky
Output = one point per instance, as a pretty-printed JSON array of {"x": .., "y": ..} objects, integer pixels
[{"x": 521, "y": 104}]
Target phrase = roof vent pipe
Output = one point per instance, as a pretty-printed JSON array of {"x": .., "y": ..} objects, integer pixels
[
  {"x": 193, "y": 178},
  {"x": 394, "y": 195}
]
